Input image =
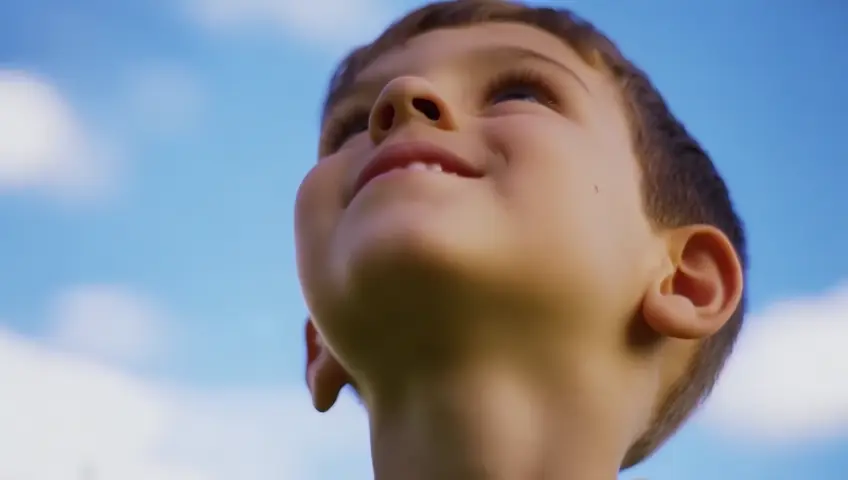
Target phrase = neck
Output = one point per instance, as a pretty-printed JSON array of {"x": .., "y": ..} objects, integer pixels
[{"x": 486, "y": 423}]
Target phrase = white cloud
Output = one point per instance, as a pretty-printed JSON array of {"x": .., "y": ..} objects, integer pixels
[
  {"x": 63, "y": 415},
  {"x": 163, "y": 98},
  {"x": 327, "y": 23},
  {"x": 44, "y": 145},
  {"x": 270, "y": 434},
  {"x": 108, "y": 322},
  {"x": 788, "y": 379}
]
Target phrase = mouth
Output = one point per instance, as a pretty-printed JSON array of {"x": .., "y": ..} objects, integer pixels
[{"x": 415, "y": 156}]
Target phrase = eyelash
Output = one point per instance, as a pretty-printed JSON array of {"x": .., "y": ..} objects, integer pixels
[
  {"x": 346, "y": 126},
  {"x": 533, "y": 81}
]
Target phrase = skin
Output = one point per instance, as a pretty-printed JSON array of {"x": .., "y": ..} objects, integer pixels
[{"x": 522, "y": 325}]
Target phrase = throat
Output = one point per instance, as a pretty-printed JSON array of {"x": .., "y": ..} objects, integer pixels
[{"x": 487, "y": 425}]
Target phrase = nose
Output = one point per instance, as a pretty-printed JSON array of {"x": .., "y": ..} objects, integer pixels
[{"x": 404, "y": 100}]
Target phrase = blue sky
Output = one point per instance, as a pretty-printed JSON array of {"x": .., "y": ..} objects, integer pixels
[{"x": 150, "y": 315}]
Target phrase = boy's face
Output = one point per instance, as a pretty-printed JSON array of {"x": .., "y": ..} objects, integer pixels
[{"x": 546, "y": 217}]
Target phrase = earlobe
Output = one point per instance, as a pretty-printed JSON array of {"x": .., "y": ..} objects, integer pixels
[
  {"x": 325, "y": 377},
  {"x": 700, "y": 290}
]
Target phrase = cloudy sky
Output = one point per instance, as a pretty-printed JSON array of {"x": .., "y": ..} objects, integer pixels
[{"x": 150, "y": 316}]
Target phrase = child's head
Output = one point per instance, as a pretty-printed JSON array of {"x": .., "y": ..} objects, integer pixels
[{"x": 579, "y": 197}]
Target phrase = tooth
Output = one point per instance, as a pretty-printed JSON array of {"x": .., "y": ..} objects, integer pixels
[
  {"x": 435, "y": 167},
  {"x": 417, "y": 166}
]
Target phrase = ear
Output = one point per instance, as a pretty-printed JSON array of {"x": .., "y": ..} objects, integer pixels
[
  {"x": 701, "y": 287},
  {"x": 324, "y": 374}
]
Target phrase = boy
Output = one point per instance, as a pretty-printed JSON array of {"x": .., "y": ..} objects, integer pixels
[{"x": 520, "y": 259}]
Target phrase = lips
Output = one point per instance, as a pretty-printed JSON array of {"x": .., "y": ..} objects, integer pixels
[{"x": 414, "y": 156}]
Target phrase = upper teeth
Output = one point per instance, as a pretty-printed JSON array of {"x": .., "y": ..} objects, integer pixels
[{"x": 433, "y": 167}]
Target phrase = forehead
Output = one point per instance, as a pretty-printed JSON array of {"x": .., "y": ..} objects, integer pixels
[{"x": 442, "y": 47}]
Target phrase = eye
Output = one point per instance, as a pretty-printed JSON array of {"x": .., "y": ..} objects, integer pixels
[
  {"x": 521, "y": 86},
  {"x": 517, "y": 94},
  {"x": 338, "y": 131}
]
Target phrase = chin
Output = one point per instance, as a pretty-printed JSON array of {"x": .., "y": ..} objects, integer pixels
[
  {"x": 410, "y": 255},
  {"x": 417, "y": 247}
]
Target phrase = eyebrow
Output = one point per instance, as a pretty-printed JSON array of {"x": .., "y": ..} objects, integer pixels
[{"x": 508, "y": 54}]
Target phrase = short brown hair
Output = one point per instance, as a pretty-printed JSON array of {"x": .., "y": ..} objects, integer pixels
[{"x": 681, "y": 186}]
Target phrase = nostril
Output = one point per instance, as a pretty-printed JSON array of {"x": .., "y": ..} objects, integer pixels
[
  {"x": 386, "y": 117},
  {"x": 428, "y": 108}
]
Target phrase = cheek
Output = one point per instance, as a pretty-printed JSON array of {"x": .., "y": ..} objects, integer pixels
[
  {"x": 553, "y": 175},
  {"x": 577, "y": 205},
  {"x": 562, "y": 176},
  {"x": 317, "y": 208}
]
